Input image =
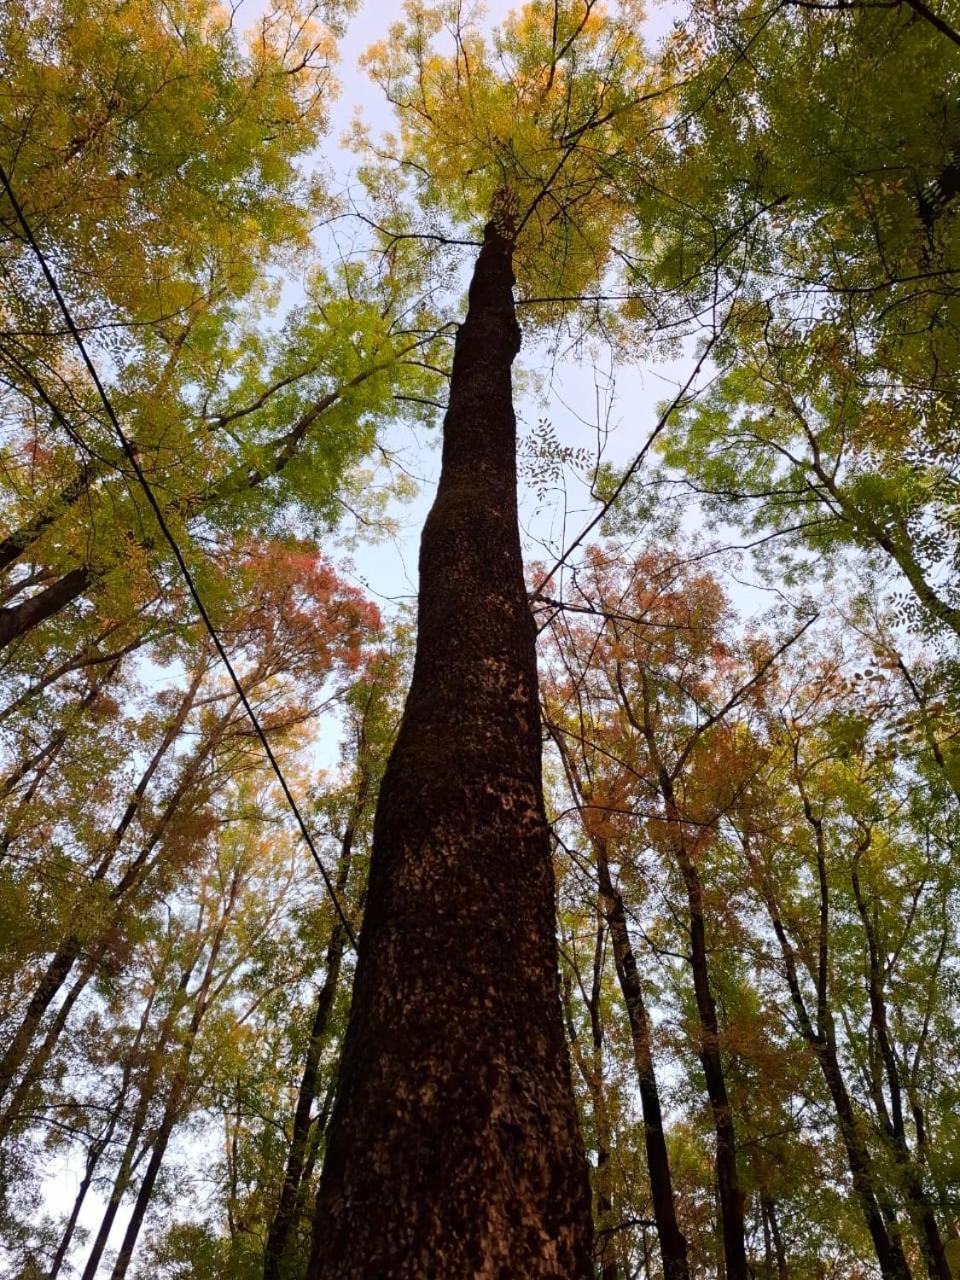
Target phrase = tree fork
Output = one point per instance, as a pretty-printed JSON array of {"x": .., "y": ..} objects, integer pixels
[{"x": 453, "y": 1146}]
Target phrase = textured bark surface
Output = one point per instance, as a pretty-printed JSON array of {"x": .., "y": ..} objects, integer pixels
[{"x": 453, "y": 1148}]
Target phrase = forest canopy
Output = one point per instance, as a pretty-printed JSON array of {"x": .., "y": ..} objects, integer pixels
[{"x": 583, "y": 903}]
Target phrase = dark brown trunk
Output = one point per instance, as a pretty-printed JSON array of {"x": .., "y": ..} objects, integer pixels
[
  {"x": 772, "y": 1235},
  {"x": 889, "y": 1251},
  {"x": 730, "y": 1195},
  {"x": 453, "y": 1147},
  {"x": 56, "y": 974},
  {"x": 728, "y": 1186},
  {"x": 17, "y": 619},
  {"x": 175, "y": 1101},
  {"x": 314, "y": 1143},
  {"x": 129, "y": 1158},
  {"x": 34, "y": 1072},
  {"x": 673, "y": 1244},
  {"x": 591, "y": 1072}
]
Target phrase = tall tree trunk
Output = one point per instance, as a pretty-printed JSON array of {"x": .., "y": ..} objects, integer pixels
[
  {"x": 314, "y": 1142},
  {"x": 99, "y": 1146},
  {"x": 893, "y": 1128},
  {"x": 34, "y": 1072},
  {"x": 146, "y": 1088},
  {"x": 284, "y": 1219},
  {"x": 822, "y": 1040},
  {"x": 591, "y": 1072},
  {"x": 453, "y": 1146},
  {"x": 730, "y": 1194},
  {"x": 673, "y": 1244},
  {"x": 772, "y": 1233},
  {"x": 174, "y": 1105}
]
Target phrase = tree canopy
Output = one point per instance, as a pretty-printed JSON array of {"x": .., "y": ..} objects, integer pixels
[{"x": 705, "y": 950}]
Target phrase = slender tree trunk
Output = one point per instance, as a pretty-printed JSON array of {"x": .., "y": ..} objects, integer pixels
[
  {"x": 730, "y": 1194},
  {"x": 40, "y": 760},
  {"x": 773, "y": 1235},
  {"x": 894, "y": 1130},
  {"x": 284, "y": 1219},
  {"x": 93, "y": 1159},
  {"x": 591, "y": 1072},
  {"x": 171, "y": 1114},
  {"x": 35, "y": 1069},
  {"x": 886, "y": 1243},
  {"x": 128, "y": 1162},
  {"x": 822, "y": 1040},
  {"x": 67, "y": 954},
  {"x": 146, "y": 1087},
  {"x": 55, "y": 975},
  {"x": 174, "y": 1105},
  {"x": 673, "y": 1244},
  {"x": 453, "y": 1148},
  {"x": 102, "y": 1142},
  {"x": 314, "y": 1142}
]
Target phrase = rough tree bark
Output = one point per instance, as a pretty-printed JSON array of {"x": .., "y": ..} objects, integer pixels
[{"x": 453, "y": 1148}]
